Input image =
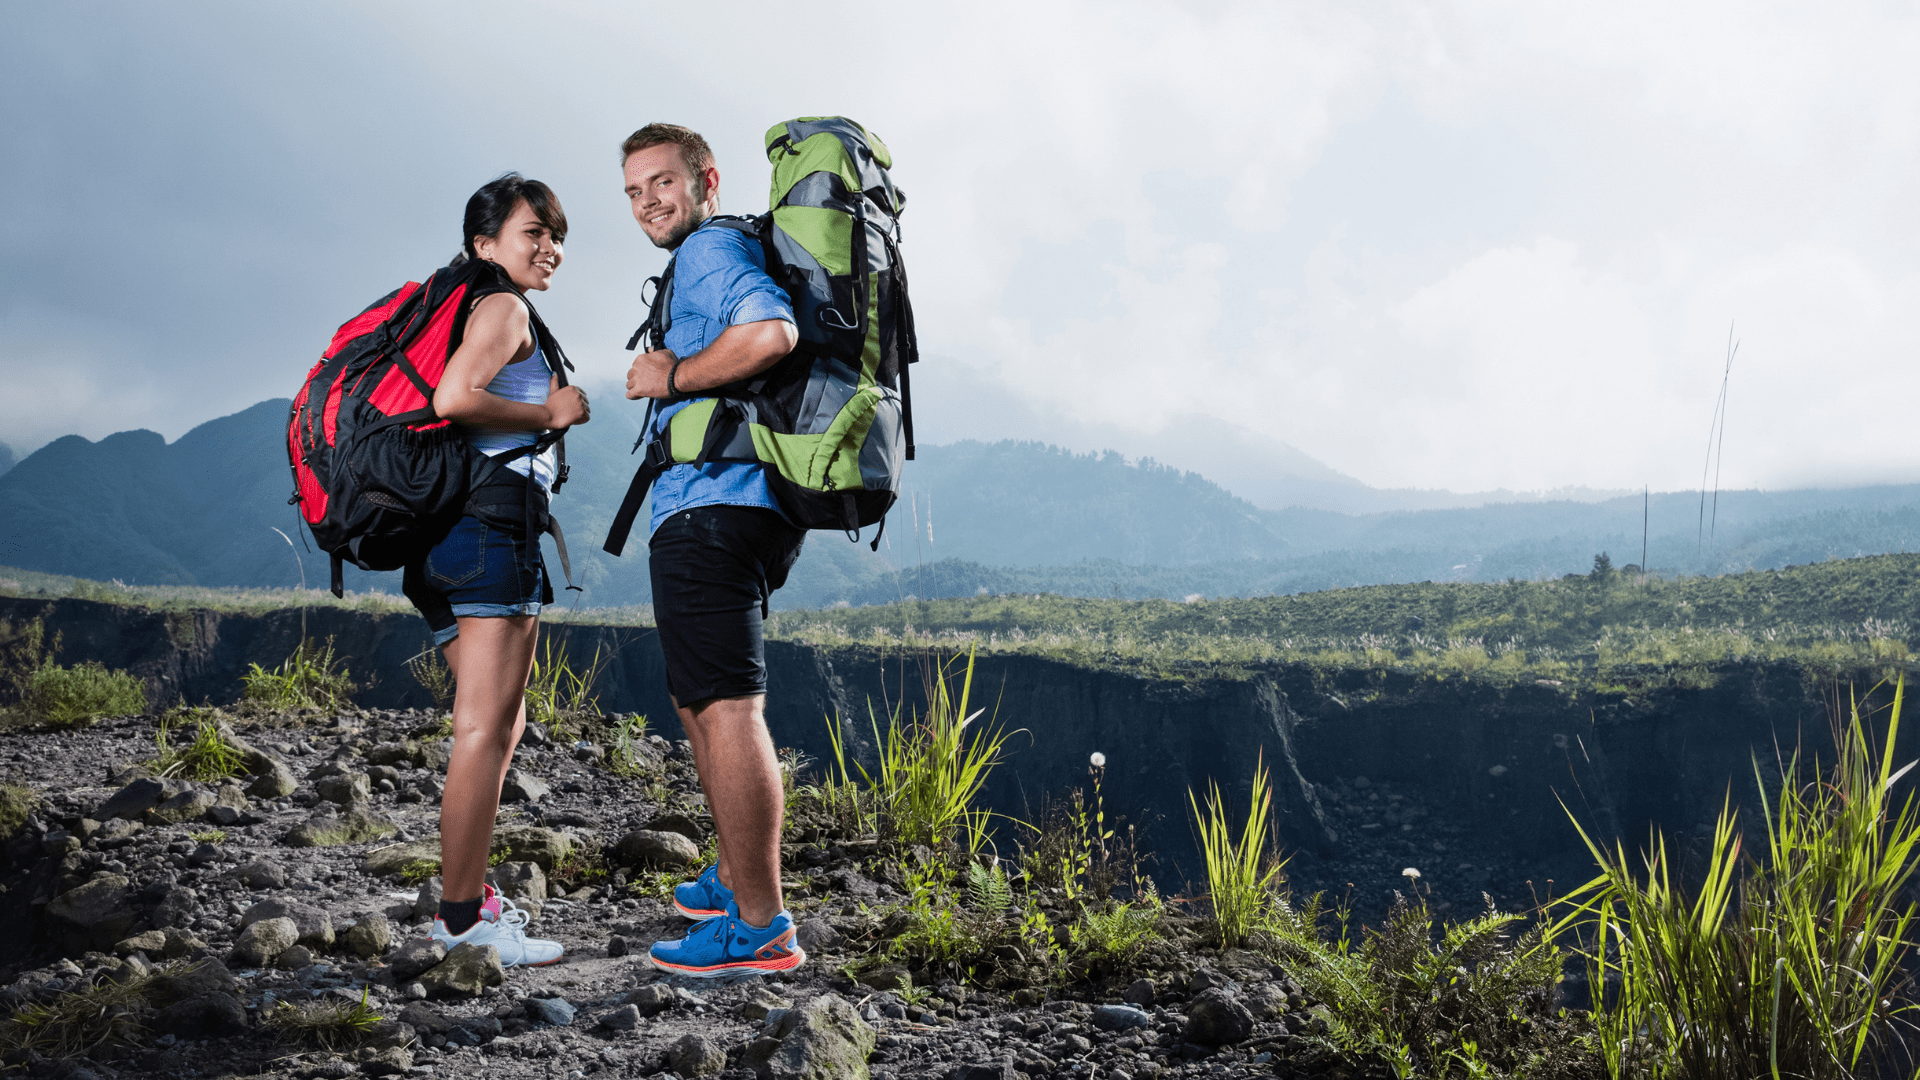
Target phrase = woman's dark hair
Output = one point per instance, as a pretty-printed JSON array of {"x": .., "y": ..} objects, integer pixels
[{"x": 492, "y": 205}]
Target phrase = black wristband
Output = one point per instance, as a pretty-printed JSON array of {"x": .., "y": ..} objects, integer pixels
[{"x": 673, "y": 391}]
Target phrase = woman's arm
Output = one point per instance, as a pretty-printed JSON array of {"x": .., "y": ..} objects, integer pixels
[{"x": 499, "y": 333}]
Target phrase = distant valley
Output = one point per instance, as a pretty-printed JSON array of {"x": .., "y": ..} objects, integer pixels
[{"x": 974, "y": 517}]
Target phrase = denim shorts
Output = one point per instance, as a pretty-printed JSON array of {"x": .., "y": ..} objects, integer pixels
[{"x": 476, "y": 570}]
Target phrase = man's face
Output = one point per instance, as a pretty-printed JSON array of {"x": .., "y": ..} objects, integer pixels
[{"x": 667, "y": 200}]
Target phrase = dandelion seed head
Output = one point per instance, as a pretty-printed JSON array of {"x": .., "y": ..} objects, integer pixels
[
  {"x": 1410, "y": 874},
  {"x": 1099, "y": 759}
]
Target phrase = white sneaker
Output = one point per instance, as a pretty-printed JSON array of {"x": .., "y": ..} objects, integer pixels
[{"x": 501, "y": 926}]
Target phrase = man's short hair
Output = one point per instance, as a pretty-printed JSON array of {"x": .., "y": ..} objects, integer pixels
[{"x": 694, "y": 151}]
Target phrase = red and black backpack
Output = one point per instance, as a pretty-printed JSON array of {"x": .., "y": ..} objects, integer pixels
[{"x": 378, "y": 475}]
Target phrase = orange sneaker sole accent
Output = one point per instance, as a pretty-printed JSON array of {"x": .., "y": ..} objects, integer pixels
[
  {"x": 695, "y": 914},
  {"x": 786, "y": 963}
]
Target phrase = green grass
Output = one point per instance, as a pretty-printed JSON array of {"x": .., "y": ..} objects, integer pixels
[
  {"x": 1786, "y": 965},
  {"x": 1615, "y": 631},
  {"x": 311, "y": 678},
  {"x": 931, "y": 769},
  {"x": 1240, "y": 872},
  {"x": 209, "y": 836},
  {"x": 208, "y": 757},
  {"x": 78, "y": 1021},
  {"x": 329, "y": 1024},
  {"x": 30, "y": 583},
  {"x": 78, "y": 695},
  {"x": 560, "y": 695}
]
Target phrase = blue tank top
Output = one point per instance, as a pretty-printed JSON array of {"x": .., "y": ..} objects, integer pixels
[{"x": 525, "y": 382}]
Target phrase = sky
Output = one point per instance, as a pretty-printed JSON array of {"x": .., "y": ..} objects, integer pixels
[{"x": 1461, "y": 246}]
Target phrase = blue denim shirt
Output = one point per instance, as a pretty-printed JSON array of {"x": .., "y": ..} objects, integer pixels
[{"x": 719, "y": 280}]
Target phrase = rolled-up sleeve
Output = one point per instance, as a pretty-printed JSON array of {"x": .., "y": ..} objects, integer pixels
[{"x": 726, "y": 270}]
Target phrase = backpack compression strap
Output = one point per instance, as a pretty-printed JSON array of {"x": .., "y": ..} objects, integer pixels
[{"x": 728, "y": 437}]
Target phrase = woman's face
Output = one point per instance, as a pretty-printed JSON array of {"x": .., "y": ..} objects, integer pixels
[{"x": 525, "y": 249}]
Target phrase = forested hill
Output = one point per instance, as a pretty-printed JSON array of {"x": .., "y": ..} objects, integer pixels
[{"x": 999, "y": 518}]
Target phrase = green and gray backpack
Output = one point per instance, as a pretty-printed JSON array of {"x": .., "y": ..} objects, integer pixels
[{"x": 832, "y": 421}]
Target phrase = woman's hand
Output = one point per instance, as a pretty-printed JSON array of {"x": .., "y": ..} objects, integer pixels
[{"x": 566, "y": 407}]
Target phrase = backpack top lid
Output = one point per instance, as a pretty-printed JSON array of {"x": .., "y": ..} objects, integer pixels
[{"x": 828, "y": 159}]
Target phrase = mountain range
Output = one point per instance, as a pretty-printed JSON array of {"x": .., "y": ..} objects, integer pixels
[{"x": 211, "y": 509}]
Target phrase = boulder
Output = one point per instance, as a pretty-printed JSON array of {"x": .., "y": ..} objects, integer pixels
[
  {"x": 1120, "y": 1018},
  {"x": 696, "y": 1055},
  {"x": 678, "y": 823},
  {"x": 262, "y": 875},
  {"x": 357, "y": 825},
  {"x": 153, "y": 943},
  {"x": 426, "y": 904},
  {"x": 189, "y": 805},
  {"x": 823, "y": 1039},
  {"x": 519, "y": 881},
  {"x": 425, "y": 1019},
  {"x": 261, "y": 942},
  {"x": 275, "y": 782},
  {"x": 467, "y": 970},
  {"x": 101, "y": 910},
  {"x": 624, "y": 1018},
  {"x": 531, "y": 843},
  {"x": 314, "y": 927},
  {"x": 670, "y": 850},
  {"x": 650, "y": 999},
  {"x": 209, "y": 1015},
  {"x": 556, "y": 1011},
  {"x": 522, "y": 786},
  {"x": 384, "y": 1060},
  {"x": 231, "y": 795},
  {"x": 999, "y": 1070},
  {"x": 400, "y": 755},
  {"x": 347, "y": 789},
  {"x": 760, "y": 1001},
  {"x": 371, "y": 937},
  {"x": 1139, "y": 992},
  {"x": 181, "y": 943},
  {"x": 1216, "y": 1018},
  {"x": 415, "y": 957},
  {"x": 295, "y": 958},
  {"x": 394, "y": 858},
  {"x": 132, "y": 801}
]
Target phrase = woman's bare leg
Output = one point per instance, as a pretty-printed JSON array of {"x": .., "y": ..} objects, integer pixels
[{"x": 490, "y": 661}]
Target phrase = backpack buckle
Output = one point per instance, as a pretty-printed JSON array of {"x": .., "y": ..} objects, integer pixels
[{"x": 658, "y": 457}]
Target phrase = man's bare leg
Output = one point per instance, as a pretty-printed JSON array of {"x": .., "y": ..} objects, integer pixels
[
  {"x": 490, "y": 661},
  {"x": 740, "y": 774}
]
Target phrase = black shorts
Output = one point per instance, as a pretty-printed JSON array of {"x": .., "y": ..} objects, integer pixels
[{"x": 714, "y": 568}]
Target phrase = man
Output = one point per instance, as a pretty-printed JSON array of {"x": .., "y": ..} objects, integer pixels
[{"x": 719, "y": 549}]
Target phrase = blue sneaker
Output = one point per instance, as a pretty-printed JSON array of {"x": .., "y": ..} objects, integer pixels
[
  {"x": 703, "y": 897},
  {"x": 728, "y": 946}
]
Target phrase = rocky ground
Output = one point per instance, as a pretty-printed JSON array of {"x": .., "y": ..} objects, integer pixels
[{"x": 228, "y": 902}]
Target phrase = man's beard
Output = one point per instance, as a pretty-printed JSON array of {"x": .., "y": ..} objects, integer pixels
[{"x": 685, "y": 228}]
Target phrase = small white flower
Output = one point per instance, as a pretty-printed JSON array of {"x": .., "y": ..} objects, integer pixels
[
  {"x": 1410, "y": 874},
  {"x": 1099, "y": 759}
]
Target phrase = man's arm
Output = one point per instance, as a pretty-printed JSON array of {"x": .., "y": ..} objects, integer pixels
[{"x": 740, "y": 352}]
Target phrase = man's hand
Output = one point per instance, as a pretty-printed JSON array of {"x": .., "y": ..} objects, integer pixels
[
  {"x": 647, "y": 378},
  {"x": 568, "y": 406}
]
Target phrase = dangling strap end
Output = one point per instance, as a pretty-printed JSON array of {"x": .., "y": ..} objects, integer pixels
[{"x": 339, "y": 578}]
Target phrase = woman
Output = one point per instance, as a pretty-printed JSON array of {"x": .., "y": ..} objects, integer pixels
[{"x": 482, "y": 586}]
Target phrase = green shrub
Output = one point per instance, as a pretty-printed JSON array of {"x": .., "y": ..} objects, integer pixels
[
  {"x": 208, "y": 757},
  {"x": 16, "y": 802},
  {"x": 560, "y": 695},
  {"x": 329, "y": 1024},
  {"x": 311, "y": 678},
  {"x": 623, "y": 755},
  {"x": 1475, "y": 1004},
  {"x": 106, "y": 1013},
  {"x": 429, "y": 669},
  {"x": 1787, "y": 967},
  {"x": 78, "y": 695},
  {"x": 209, "y": 836}
]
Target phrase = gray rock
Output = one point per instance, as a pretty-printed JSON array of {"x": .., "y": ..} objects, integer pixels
[
  {"x": 394, "y": 858},
  {"x": 818, "y": 935},
  {"x": 670, "y": 850},
  {"x": 1266, "y": 1002},
  {"x": 823, "y": 1039},
  {"x": 397, "y": 754},
  {"x": 276, "y": 782},
  {"x": 314, "y": 926},
  {"x": 555, "y": 1011},
  {"x": 189, "y": 805},
  {"x": 153, "y": 943},
  {"x": 425, "y": 1019},
  {"x": 1000, "y": 1070},
  {"x": 696, "y": 1055},
  {"x": 384, "y": 1060},
  {"x": 760, "y": 1001},
  {"x": 132, "y": 801},
  {"x": 349, "y": 789},
  {"x": 295, "y": 958},
  {"x": 177, "y": 907},
  {"x": 616, "y": 946},
  {"x": 223, "y": 816},
  {"x": 467, "y": 970},
  {"x": 1139, "y": 992},
  {"x": 650, "y": 999},
  {"x": 371, "y": 937},
  {"x": 101, "y": 909},
  {"x": 357, "y": 825},
  {"x": 415, "y": 957},
  {"x": 427, "y": 903},
  {"x": 1216, "y": 1018},
  {"x": 532, "y": 843},
  {"x": 252, "y": 758},
  {"x": 1120, "y": 1018},
  {"x": 230, "y": 796},
  {"x": 203, "y": 1016},
  {"x": 1207, "y": 978},
  {"x": 678, "y": 823},
  {"x": 262, "y": 941},
  {"x": 262, "y": 875},
  {"x": 522, "y": 786},
  {"x": 519, "y": 881},
  {"x": 413, "y": 991},
  {"x": 624, "y": 1018}
]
